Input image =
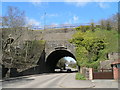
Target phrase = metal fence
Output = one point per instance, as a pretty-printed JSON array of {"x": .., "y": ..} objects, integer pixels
[{"x": 59, "y": 26}]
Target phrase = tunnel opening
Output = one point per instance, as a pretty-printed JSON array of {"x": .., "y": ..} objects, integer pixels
[
  {"x": 54, "y": 57},
  {"x": 66, "y": 64}
]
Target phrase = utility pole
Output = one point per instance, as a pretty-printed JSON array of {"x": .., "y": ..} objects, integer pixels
[
  {"x": 44, "y": 29},
  {"x": 44, "y": 20}
]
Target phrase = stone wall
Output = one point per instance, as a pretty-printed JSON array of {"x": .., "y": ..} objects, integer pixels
[
  {"x": 106, "y": 64},
  {"x": 111, "y": 58},
  {"x": 114, "y": 56},
  {"x": 58, "y": 38},
  {"x": 86, "y": 72},
  {"x": 51, "y": 45}
]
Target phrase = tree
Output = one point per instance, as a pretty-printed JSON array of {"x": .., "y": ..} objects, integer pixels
[
  {"x": 12, "y": 23},
  {"x": 92, "y": 47},
  {"x": 83, "y": 28},
  {"x": 17, "y": 57},
  {"x": 88, "y": 47},
  {"x": 114, "y": 19},
  {"x": 92, "y": 24},
  {"x": 14, "y": 18},
  {"x": 108, "y": 25},
  {"x": 102, "y": 23}
]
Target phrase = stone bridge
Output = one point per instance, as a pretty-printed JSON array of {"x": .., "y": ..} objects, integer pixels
[{"x": 57, "y": 46}]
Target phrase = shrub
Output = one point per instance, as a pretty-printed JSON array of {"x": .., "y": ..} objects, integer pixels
[{"x": 80, "y": 77}]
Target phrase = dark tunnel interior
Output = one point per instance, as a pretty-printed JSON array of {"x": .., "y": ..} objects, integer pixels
[{"x": 55, "y": 56}]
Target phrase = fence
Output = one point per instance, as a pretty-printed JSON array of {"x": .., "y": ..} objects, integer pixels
[
  {"x": 91, "y": 73},
  {"x": 103, "y": 74},
  {"x": 59, "y": 26}
]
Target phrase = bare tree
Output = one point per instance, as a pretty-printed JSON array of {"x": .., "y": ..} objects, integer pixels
[
  {"x": 114, "y": 21},
  {"x": 92, "y": 24},
  {"x": 14, "y": 18},
  {"x": 110, "y": 23},
  {"x": 12, "y": 23},
  {"x": 102, "y": 23}
]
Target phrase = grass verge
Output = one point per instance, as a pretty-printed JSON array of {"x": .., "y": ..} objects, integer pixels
[{"x": 80, "y": 77}]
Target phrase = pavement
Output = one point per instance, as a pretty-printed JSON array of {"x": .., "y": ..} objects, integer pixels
[
  {"x": 70, "y": 82},
  {"x": 105, "y": 83}
]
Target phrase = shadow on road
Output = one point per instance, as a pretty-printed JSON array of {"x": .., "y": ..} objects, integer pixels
[
  {"x": 27, "y": 77},
  {"x": 23, "y": 78}
]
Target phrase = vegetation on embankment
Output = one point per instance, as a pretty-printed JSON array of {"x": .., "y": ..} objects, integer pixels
[
  {"x": 25, "y": 50},
  {"x": 24, "y": 55},
  {"x": 80, "y": 77},
  {"x": 94, "y": 42},
  {"x": 92, "y": 47}
]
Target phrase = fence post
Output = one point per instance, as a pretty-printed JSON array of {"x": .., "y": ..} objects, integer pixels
[
  {"x": 102, "y": 69},
  {"x": 90, "y": 73}
]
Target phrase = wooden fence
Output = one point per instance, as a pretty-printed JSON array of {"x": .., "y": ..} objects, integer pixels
[
  {"x": 103, "y": 74},
  {"x": 91, "y": 73}
]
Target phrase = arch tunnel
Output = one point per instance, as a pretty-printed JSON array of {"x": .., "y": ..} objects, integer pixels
[{"x": 54, "y": 57}]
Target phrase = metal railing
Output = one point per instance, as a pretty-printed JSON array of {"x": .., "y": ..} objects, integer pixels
[{"x": 59, "y": 26}]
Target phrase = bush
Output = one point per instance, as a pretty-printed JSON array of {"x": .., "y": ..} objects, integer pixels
[
  {"x": 80, "y": 77},
  {"x": 93, "y": 47}
]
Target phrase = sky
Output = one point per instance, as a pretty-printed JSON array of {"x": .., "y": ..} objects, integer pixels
[
  {"x": 56, "y": 13},
  {"x": 70, "y": 59}
]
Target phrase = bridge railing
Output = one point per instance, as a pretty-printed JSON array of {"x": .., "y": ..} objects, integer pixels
[{"x": 59, "y": 26}]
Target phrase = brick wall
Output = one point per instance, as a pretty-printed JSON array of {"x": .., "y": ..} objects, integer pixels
[{"x": 116, "y": 73}]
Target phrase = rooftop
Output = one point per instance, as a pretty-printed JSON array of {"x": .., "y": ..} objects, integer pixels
[{"x": 116, "y": 62}]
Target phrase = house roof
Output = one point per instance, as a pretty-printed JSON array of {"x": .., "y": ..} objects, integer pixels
[{"x": 116, "y": 62}]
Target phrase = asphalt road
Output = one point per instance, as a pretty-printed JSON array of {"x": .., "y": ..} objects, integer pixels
[{"x": 57, "y": 80}]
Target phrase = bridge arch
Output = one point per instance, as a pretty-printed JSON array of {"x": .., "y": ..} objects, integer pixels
[{"x": 55, "y": 56}]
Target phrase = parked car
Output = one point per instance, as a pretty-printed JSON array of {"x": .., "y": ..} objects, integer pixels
[{"x": 68, "y": 70}]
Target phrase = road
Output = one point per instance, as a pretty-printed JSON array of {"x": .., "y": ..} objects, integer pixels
[{"x": 58, "y": 80}]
